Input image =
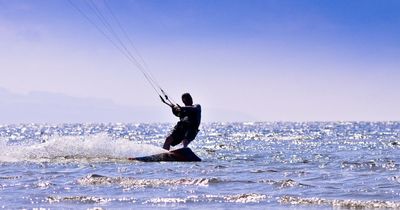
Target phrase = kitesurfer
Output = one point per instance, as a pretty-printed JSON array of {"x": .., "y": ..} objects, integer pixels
[{"x": 187, "y": 128}]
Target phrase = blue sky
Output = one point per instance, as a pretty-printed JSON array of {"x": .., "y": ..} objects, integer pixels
[{"x": 242, "y": 60}]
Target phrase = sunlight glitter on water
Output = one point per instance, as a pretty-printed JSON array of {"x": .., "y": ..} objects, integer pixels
[{"x": 256, "y": 165}]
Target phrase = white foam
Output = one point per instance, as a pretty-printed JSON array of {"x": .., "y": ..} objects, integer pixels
[
  {"x": 347, "y": 204},
  {"x": 99, "y": 147}
]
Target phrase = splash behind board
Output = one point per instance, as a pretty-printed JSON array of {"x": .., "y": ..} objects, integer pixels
[{"x": 179, "y": 155}]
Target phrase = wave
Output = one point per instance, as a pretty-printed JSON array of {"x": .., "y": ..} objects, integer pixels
[
  {"x": 235, "y": 198},
  {"x": 357, "y": 204},
  {"x": 286, "y": 183},
  {"x": 83, "y": 199},
  {"x": 95, "y": 148},
  {"x": 387, "y": 164},
  {"x": 129, "y": 182}
]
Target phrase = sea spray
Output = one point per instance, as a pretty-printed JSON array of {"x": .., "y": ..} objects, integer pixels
[{"x": 100, "y": 147}]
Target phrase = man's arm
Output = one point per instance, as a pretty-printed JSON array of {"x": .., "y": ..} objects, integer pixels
[
  {"x": 163, "y": 100},
  {"x": 176, "y": 110}
]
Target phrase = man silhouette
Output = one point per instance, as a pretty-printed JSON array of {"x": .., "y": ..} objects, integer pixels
[{"x": 187, "y": 128}]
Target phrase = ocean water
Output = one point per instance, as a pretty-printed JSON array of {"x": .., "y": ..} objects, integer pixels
[{"x": 314, "y": 165}]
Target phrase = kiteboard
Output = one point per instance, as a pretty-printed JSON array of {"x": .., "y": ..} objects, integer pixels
[{"x": 179, "y": 155}]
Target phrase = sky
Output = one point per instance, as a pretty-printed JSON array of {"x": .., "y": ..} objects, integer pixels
[{"x": 242, "y": 60}]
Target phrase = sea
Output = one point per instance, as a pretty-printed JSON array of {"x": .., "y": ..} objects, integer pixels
[{"x": 251, "y": 165}]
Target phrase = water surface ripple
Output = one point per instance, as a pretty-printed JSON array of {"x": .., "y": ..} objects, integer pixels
[{"x": 343, "y": 165}]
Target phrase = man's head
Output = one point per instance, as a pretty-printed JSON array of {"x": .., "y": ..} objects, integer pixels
[{"x": 187, "y": 99}]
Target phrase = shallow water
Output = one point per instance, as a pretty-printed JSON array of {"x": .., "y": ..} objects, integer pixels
[{"x": 254, "y": 165}]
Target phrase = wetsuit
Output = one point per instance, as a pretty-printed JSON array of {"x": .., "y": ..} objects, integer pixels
[{"x": 188, "y": 125}]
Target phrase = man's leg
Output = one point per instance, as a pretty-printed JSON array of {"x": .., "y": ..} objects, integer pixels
[
  {"x": 175, "y": 134},
  {"x": 185, "y": 143},
  {"x": 190, "y": 134},
  {"x": 167, "y": 143}
]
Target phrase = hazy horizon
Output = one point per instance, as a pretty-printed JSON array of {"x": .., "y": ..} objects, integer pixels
[{"x": 56, "y": 108}]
